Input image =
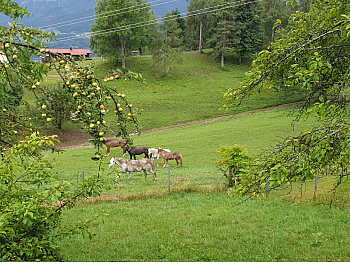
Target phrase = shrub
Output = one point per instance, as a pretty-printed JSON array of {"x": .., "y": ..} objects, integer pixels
[{"x": 233, "y": 161}]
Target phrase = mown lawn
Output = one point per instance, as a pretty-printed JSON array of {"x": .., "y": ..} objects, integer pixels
[{"x": 209, "y": 227}]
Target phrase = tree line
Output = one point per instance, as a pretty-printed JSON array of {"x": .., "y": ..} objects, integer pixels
[{"x": 239, "y": 28}]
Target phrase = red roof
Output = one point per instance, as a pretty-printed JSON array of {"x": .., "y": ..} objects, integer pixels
[{"x": 71, "y": 51}]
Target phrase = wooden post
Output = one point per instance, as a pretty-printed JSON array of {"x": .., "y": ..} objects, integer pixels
[
  {"x": 315, "y": 192},
  {"x": 169, "y": 178}
]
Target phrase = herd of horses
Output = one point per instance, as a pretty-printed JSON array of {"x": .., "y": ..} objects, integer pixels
[{"x": 146, "y": 164}]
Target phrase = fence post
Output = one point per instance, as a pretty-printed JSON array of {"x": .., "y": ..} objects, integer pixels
[
  {"x": 315, "y": 192},
  {"x": 83, "y": 176},
  {"x": 267, "y": 186},
  {"x": 169, "y": 178}
]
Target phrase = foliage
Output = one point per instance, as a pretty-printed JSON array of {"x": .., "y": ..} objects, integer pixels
[
  {"x": 234, "y": 29},
  {"x": 116, "y": 35},
  {"x": 57, "y": 103},
  {"x": 234, "y": 161},
  {"x": 314, "y": 57},
  {"x": 32, "y": 196},
  {"x": 168, "y": 49},
  {"x": 272, "y": 11},
  {"x": 195, "y": 21},
  {"x": 32, "y": 199}
]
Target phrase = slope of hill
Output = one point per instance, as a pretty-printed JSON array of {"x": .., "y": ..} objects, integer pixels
[{"x": 71, "y": 18}]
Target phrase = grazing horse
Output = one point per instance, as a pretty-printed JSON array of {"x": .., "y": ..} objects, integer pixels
[
  {"x": 114, "y": 143},
  {"x": 169, "y": 156},
  {"x": 128, "y": 166},
  {"x": 153, "y": 153},
  {"x": 136, "y": 150}
]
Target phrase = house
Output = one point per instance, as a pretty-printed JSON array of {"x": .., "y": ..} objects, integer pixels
[{"x": 76, "y": 54}]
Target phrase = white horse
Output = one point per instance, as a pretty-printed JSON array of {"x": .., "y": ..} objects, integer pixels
[
  {"x": 153, "y": 153},
  {"x": 128, "y": 166}
]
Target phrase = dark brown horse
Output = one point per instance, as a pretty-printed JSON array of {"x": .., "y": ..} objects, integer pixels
[
  {"x": 114, "y": 143},
  {"x": 136, "y": 150},
  {"x": 169, "y": 156}
]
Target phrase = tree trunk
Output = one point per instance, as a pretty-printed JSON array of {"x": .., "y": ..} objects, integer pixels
[
  {"x": 123, "y": 54},
  {"x": 200, "y": 37},
  {"x": 164, "y": 63},
  {"x": 222, "y": 60}
]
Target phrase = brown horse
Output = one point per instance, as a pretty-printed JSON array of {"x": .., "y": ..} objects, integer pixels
[
  {"x": 114, "y": 143},
  {"x": 169, "y": 156}
]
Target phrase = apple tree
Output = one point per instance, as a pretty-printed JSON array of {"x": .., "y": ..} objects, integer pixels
[
  {"x": 313, "y": 57},
  {"x": 32, "y": 195}
]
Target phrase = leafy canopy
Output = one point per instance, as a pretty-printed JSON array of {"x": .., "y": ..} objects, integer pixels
[
  {"x": 314, "y": 58},
  {"x": 32, "y": 195}
]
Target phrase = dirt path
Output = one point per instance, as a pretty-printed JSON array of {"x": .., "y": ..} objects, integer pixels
[{"x": 75, "y": 138}]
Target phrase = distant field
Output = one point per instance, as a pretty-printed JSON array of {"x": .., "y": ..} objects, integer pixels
[{"x": 191, "y": 91}]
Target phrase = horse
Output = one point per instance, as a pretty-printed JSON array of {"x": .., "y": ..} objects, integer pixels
[
  {"x": 169, "y": 156},
  {"x": 153, "y": 153},
  {"x": 128, "y": 166},
  {"x": 136, "y": 150},
  {"x": 114, "y": 143}
]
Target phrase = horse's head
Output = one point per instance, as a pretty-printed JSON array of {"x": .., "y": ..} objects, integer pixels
[
  {"x": 112, "y": 162},
  {"x": 125, "y": 149}
]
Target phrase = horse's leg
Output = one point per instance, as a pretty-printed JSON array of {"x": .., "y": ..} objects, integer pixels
[
  {"x": 157, "y": 160},
  {"x": 177, "y": 162},
  {"x": 144, "y": 171},
  {"x": 166, "y": 163},
  {"x": 116, "y": 180},
  {"x": 108, "y": 150},
  {"x": 129, "y": 173},
  {"x": 154, "y": 175}
]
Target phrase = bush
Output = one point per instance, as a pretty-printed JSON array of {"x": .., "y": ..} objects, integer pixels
[
  {"x": 234, "y": 161},
  {"x": 32, "y": 199}
]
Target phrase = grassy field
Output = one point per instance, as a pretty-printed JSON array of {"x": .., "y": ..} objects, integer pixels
[
  {"x": 209, "y": 227},
  {"x": 197, "y": 220},
  {"x": 197, "y": 143},
  {"x": 191, "y": 91}
]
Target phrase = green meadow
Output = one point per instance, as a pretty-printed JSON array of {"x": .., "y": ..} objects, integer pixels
[{"x": 196, "y": 219}]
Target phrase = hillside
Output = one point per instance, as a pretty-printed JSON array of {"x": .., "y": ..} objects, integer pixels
[{"x": 53, "y": 15}]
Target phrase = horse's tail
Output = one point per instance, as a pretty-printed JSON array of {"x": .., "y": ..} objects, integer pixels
[{"x": 180, "y": 159}]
